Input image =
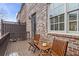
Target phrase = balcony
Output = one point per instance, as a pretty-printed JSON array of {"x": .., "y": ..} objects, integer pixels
[
  {"x": 33, "y": 47},
  {"x": 7, "y": 48},
  {"x": 20, "y": 48}
]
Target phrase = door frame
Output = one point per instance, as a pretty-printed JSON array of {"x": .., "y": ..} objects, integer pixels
[{"x": 33, "y": 24}]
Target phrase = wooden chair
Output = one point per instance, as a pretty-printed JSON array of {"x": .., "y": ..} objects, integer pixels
[
  {"x": 37, "y": 38},
  {"x": 59, "y": 47},
  {"x": 34, "y": 47},
  {"x": 32, "y": 43}
]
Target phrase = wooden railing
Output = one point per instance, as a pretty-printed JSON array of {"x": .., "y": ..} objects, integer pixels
[
  {"x": 18, "y": 36},
  {"x": 3, "y": 43}
]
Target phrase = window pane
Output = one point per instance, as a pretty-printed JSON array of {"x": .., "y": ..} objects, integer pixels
[
  {"x": 61, "y": 18},
  {"x": 52, "y": 20},
  {"x": 73, "y": 26},
  {"x": 72, "y": 6},
  {"x": 58, "y": 8},
  {"x": 73, "y": 16},
  {"x": 56, "y": 19},
  {"x": 56, "y": 5},
  {"x": 56, "y": 26},
  {"x": 52, "y": 27},
  {"x": 61, "y": 26}
]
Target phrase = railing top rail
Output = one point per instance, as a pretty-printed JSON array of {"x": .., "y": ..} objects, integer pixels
[
  {"x": 4, "y": 35},
  {"x": 9, "y": 22}
]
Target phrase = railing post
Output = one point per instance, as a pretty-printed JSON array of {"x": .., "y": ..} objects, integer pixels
[{"x": 2, "y": 27}]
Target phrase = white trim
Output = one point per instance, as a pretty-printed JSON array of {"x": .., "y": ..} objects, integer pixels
[
  {"x": 77, "y": 21},
  {"x": 66, "y": 18},
  {"x": 63, "y": 33},
  {"x": 56, "y": 31},
  {"x": 48, "y": 19},
  {"x": 72, "y": 21},
  {"x": 58, "y": 23}
]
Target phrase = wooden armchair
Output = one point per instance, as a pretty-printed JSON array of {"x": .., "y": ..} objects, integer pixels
[{"x": 59, "y": 47}]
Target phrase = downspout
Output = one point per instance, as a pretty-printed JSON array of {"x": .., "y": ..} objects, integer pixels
[
  {"x": 47, "y": 5},
  {"x": 47, "y": 17}
]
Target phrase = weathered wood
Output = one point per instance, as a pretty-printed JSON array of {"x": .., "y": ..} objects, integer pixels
[
  {"x": 17, "y": 31},
  {"x": 3, "y": 43},
  {"x": 37, "y": 37}
]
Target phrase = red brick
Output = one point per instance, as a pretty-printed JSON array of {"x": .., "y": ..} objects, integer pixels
[
  {"x": 71, "y": 49},
  {"x": 77, "y": 47},
  {"x": 78, "y": 52},
  {"x": 73, "y": 40},
  {"x": 69, "y": 53},
  {"x": 75, "y": 51},
  {"x": 76, "y": 44}
]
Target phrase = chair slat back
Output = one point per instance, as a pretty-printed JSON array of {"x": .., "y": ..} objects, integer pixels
[
  {"x": 60, "y": 47},
  {"x": 37, "y": 37}
]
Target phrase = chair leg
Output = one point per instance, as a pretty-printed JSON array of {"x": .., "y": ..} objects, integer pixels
[
  {"x": 29, "y": 47},
  {"x": 44, "y": 53},
  {"x": 34, "y": 50},
  {"x": 40, "y": 53}
]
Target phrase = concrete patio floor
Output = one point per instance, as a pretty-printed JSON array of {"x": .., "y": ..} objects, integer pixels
[{"x": 20, "y": 47}]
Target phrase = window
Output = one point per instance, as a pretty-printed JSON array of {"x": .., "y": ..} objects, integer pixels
[
  {"x": 52, "y": 21},
  {"x": 73, "y": 21},
  {"x": 72, "y": 6},
  {"x": 61, "y": 22},
  {"x": 57, "y": 22},
  {"x": 64, "y": 18},
  {"x": 58, "y": 8}
]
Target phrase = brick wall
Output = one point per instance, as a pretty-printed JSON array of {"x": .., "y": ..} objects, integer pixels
[
  {"x": 41, "y": 17},
  {"x": 21, "y": 16},
  {"x": 73, "y": 43},
  {"x": 41, "y": 27}
]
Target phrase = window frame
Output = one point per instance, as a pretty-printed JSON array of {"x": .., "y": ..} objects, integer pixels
[
  {"x": 77, "y": 11},
  {"x": 61, "y": 22},
  {"x": 57, "y": 23}
]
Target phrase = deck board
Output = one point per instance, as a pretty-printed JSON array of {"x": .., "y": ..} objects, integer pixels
[{"x": 21, "y": 47}]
